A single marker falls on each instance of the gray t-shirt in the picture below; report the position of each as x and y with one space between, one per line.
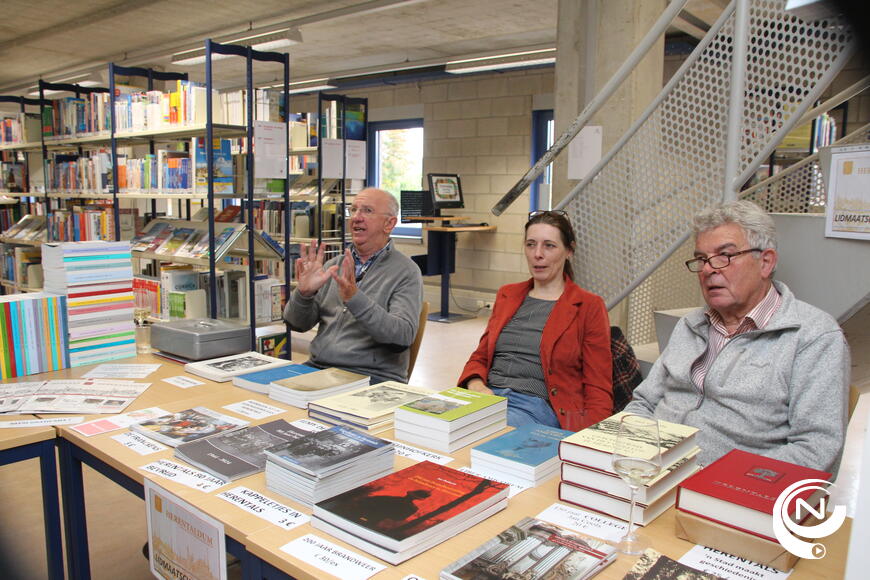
516 362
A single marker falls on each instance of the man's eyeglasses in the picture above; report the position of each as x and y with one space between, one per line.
364 211
718 261
538 212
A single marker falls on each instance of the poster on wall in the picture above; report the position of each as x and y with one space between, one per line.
183 542
848 204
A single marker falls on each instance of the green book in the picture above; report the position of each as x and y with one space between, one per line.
451 409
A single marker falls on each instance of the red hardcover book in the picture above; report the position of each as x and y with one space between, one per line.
409 508
739 490
228 214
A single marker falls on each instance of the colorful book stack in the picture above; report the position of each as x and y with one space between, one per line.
303 388
368 409
407 512
322 464
589 480
33 334
97 279
533 548
528 455
451 419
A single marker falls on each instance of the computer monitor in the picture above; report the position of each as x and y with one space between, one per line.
414 204
446 191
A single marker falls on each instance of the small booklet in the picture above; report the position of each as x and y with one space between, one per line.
174 429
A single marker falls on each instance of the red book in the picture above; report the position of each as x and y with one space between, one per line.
405 512
228 214
739 490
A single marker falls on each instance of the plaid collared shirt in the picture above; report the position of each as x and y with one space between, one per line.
360 267
718 335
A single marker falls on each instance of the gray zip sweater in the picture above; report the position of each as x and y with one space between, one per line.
781 391
370 334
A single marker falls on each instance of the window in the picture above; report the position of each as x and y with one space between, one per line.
396 161
543 135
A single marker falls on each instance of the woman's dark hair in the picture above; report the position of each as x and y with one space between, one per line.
559 220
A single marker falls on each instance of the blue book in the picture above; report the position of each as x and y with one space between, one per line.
259 381
530 452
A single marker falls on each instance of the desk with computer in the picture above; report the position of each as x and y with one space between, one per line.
445 193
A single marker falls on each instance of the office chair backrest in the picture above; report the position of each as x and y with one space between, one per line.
626 372
415 346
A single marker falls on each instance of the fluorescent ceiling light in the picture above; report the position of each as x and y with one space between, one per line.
310 89
271 41
503 61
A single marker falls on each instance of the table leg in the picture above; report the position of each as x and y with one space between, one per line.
51 510
446 242
75 524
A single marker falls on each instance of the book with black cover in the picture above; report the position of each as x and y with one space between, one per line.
322 453
654 566
405 508
239 453
552 551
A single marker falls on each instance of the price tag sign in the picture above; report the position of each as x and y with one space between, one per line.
332 558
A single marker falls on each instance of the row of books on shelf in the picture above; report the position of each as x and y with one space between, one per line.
20 128
9 216
22 266
92 221
33 334
13 177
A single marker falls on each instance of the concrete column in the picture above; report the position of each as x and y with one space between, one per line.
594 37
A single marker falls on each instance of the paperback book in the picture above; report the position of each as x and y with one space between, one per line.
369 408
406 512
322 453
259 380
224 368
449 410
617 507
740 488
653 566
593 446
173 429
301 389
234 454
535 549
529 453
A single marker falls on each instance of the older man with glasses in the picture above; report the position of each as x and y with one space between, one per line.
367 301
757 369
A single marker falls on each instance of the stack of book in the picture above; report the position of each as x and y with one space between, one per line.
33 335
451 419
259 380
533 548
528 455
367 409
407 512
589 480
97 279
223 369
730 505
322 464
239 453
173 429
304 388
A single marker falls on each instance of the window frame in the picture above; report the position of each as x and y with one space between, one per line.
372 154
540 120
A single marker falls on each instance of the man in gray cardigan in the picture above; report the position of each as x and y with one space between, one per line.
757 369
367 302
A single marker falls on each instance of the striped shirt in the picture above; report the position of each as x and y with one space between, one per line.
360 267
718 335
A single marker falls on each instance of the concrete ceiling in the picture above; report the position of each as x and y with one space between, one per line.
55 39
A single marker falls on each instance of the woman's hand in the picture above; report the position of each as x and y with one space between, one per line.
477 385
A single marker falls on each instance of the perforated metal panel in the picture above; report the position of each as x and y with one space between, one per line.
801 187
641 203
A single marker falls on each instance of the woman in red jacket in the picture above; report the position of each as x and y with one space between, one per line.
547 344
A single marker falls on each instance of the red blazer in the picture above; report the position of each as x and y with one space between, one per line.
575 351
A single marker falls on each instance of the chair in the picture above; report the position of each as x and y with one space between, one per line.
415 346
626 372
854 395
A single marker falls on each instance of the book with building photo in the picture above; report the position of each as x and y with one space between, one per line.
652 565
238 453
593 446
406 512
534 548
224 368
180 427
740 488
369 408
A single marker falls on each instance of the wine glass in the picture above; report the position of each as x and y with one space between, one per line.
637 458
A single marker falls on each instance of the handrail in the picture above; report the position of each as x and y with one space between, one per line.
597 102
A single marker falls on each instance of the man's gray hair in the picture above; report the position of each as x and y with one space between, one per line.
392 202
756 223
